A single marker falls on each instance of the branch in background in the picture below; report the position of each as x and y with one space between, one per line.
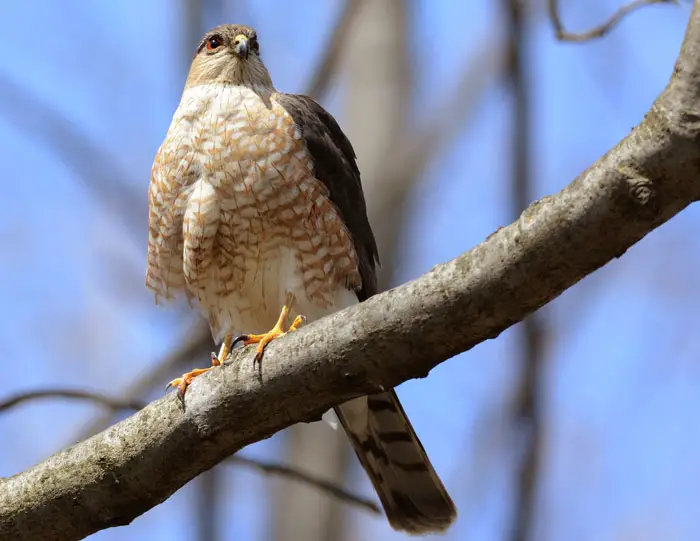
115 476
114 404
332 489
332 52
598 31
92 165
270 468
415 148
417 145
198 344
527 406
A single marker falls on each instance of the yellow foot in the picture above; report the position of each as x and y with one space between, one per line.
262 340
184 381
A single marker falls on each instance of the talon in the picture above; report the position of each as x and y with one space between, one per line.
240 338
174 383
181 394
298 322
184 381
278 330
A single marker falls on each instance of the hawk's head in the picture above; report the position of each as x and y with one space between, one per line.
229 54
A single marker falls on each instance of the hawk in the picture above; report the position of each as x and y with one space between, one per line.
256 204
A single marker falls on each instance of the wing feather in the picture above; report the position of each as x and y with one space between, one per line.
335 165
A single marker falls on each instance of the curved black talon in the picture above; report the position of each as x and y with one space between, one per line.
239 338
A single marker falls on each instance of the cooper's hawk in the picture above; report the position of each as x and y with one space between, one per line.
255 203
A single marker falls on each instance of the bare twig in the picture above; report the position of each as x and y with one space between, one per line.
338 492
600 30
332 52
270 468
114 404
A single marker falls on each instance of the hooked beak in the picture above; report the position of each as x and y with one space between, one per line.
240 46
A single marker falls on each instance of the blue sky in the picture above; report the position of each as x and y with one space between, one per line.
622 376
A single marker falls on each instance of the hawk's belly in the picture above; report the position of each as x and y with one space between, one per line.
257 224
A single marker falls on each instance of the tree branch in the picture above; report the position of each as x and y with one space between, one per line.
269 468
115 476
600 30
114 404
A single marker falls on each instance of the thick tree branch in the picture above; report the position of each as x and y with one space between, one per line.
266 467
115 476
600 30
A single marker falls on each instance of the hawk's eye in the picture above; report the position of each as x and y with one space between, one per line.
213 43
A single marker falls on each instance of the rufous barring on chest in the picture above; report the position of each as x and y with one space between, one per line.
243 167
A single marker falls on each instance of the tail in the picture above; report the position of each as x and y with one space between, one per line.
413 497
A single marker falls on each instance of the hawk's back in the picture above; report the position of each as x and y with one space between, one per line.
237 217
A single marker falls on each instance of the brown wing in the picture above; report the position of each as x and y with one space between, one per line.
411 493
335 165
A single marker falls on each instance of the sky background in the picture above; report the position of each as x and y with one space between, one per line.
621 399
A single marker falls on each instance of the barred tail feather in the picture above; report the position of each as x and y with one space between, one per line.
412 494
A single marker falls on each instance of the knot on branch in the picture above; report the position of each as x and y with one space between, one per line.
642 197
642 191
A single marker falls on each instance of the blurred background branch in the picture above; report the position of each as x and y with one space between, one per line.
531 335
98 171
600 30
332 52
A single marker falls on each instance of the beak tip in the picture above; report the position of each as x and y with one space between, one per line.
241 47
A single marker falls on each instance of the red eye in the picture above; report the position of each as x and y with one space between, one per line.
213 43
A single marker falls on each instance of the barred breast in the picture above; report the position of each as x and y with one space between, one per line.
237 217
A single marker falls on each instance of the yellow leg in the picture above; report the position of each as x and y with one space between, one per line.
225 349
278 330
184 381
